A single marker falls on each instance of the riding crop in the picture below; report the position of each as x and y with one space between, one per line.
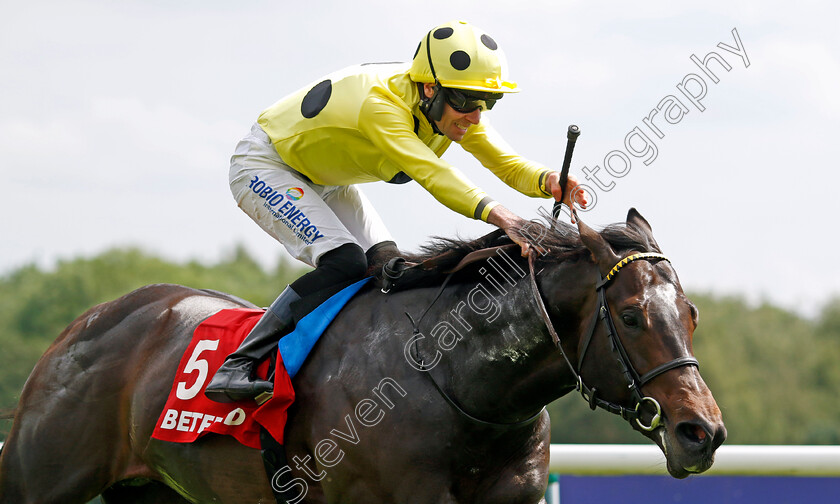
571 137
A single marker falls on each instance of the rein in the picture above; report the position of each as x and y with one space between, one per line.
633 378
422 363
602 313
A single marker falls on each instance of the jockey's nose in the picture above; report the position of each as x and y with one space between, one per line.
474 117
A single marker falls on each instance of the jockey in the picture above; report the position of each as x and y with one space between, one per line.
295 174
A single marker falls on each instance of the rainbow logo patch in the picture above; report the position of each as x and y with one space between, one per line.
295 193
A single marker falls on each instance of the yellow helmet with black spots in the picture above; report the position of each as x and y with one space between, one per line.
461 56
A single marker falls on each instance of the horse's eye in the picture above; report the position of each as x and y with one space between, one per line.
630 320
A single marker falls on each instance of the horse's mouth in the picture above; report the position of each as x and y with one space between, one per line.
684 472
677 466
678 473
695 465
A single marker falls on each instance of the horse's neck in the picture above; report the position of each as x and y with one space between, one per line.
506 364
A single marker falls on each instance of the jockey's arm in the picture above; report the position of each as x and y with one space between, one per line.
509 222
528 177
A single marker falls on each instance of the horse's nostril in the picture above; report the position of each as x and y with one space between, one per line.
720 437
693 433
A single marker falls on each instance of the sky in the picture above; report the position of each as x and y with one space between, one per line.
118 120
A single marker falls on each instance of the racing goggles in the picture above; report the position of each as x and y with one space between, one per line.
467 101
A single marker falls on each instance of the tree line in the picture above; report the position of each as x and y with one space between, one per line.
773 372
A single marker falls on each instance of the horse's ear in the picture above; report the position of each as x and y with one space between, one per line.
603 253
640 224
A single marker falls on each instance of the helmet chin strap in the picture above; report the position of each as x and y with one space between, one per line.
432 107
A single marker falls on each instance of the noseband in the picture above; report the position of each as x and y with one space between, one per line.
634 380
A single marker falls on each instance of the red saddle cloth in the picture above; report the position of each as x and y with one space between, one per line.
188 413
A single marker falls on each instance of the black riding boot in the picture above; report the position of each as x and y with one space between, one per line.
233 381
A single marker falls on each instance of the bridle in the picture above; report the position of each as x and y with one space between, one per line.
635 381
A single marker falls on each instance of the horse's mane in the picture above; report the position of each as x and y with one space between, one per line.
561 239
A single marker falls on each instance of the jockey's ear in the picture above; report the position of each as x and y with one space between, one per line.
603 253
640 224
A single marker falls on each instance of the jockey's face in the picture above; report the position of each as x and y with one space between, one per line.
454 124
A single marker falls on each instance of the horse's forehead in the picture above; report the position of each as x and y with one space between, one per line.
662 297
661 302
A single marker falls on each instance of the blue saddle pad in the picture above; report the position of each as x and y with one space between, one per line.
295 346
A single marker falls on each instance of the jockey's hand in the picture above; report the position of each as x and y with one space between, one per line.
573 191
510 223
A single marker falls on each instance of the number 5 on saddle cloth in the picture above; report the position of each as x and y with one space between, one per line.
188 414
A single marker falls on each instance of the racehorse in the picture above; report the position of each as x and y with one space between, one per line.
431 393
